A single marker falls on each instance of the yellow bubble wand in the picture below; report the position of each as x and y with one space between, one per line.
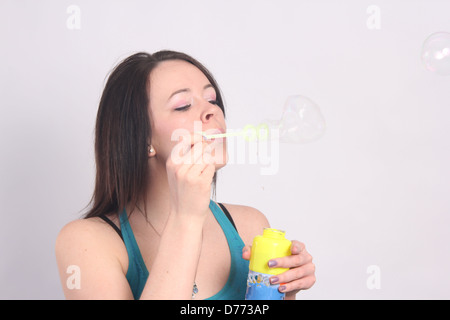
249 132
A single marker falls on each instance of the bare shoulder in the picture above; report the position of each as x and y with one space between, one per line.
81 235
249 221
83 232
90 245
74 233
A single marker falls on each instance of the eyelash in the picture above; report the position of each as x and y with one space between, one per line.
186 107
183 108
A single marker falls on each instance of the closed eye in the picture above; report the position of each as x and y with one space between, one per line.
184 108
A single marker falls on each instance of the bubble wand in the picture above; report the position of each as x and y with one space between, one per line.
250 133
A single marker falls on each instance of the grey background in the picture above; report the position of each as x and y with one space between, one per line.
373 191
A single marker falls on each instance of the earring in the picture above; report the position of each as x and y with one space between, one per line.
150 149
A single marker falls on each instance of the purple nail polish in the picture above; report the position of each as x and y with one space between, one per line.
272 263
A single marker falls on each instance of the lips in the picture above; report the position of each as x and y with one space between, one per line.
214 131
210 132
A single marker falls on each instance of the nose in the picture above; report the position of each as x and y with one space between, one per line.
209 112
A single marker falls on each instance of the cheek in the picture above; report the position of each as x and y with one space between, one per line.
166 135
161 140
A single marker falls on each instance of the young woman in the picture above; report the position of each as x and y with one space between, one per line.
152 231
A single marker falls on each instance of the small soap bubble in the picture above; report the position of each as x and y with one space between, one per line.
436 53
301 121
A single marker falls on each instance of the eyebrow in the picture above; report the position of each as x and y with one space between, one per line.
209 85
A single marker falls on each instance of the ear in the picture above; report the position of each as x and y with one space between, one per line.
151 151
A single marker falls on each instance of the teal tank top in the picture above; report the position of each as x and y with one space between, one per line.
236 284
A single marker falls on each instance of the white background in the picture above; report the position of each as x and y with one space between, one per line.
373 191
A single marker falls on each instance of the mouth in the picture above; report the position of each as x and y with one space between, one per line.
214 134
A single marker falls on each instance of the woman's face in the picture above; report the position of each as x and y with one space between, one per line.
182 101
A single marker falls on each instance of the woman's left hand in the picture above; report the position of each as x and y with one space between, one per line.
301 273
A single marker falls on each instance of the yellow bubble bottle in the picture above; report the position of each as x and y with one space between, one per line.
272 244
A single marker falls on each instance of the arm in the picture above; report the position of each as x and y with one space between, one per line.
91 261
175 265
173 271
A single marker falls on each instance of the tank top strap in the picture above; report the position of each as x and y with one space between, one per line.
137 273
236 284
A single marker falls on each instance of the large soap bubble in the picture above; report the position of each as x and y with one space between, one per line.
301 121
436 53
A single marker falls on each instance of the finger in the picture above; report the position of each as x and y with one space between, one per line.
202 163
196 153
179 166
292 261
299 284
294 274
208 172
246 252
207 156
192 154
297 247
188 141
182 149
200 173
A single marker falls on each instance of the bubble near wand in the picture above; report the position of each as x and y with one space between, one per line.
301 122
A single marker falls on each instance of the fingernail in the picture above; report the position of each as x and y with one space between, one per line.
274 280
282 288
272 263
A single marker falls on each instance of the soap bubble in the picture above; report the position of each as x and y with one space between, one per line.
436 53
301 121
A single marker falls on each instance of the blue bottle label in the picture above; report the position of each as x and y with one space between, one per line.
260 288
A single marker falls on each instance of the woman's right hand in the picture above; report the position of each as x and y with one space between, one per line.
190 170
175 264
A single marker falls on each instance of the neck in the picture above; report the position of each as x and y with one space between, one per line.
157 201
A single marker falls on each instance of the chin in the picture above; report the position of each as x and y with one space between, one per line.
220 158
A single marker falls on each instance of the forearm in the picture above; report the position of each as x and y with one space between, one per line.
174 267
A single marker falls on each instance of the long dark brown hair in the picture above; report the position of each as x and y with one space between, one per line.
123 130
